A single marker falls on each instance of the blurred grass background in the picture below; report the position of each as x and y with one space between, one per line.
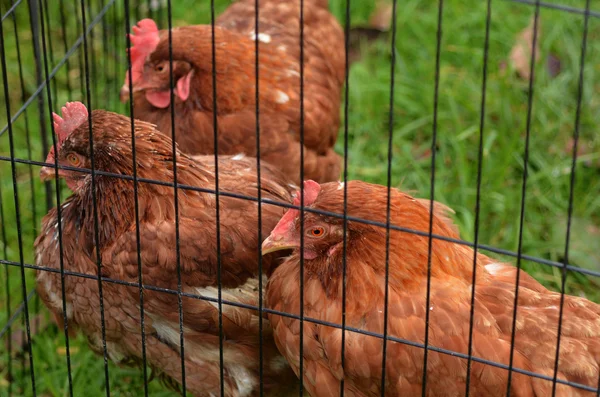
459 111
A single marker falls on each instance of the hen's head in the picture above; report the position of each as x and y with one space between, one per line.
150 71
112 144
323 235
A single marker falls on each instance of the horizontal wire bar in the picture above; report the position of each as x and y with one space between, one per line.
484 247
559 7
11 10
75 46
296 317
19 310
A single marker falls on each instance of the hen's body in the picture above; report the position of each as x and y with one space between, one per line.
449 310
197 242
279 86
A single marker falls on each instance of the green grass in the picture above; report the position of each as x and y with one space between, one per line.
460 85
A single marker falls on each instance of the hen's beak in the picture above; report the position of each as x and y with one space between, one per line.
47 173
276 243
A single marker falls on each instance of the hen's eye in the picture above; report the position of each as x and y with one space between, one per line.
160 68
317 231
73 159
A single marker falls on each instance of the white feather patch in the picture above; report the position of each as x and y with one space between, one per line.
494 268
262 37
281 97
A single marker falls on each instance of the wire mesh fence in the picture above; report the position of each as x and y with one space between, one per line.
403 125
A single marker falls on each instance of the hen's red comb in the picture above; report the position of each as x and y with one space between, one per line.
73 115
143 41
311 191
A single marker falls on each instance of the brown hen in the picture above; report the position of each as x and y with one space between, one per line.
449 307
279 84
198 250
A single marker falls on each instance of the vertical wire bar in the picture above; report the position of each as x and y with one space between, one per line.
94 201
218 218
33 21
8 301
58 212
45 13
564 272
432 187
92 47
301 336
63 22
115 45
345 224
259 197
176 198
136 203
105 58
486 47
389 197
27 132
17 206
80 51
523 192
28 142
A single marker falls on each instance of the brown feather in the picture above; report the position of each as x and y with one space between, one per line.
449 308
198 261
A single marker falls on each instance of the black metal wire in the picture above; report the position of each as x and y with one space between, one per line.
482 247
33 16
54 71
301 335
486 47
258 196
105 59
8 300
345 224
217 205
571 193
523 192
432 187
7 329
389 197
45 15
76 5
11 10
136 203
58 211
27 131
94 201
309 319
176 200
559 7
17 206
63 22
92 54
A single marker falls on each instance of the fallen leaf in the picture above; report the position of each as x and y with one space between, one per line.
553 65
583 148
62 350
381 18
520 55
358 38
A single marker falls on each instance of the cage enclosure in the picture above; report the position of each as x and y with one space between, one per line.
490 108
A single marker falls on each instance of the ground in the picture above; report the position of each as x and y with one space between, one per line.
551 129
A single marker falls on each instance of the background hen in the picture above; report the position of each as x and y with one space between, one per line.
279 84
449 307
197 241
